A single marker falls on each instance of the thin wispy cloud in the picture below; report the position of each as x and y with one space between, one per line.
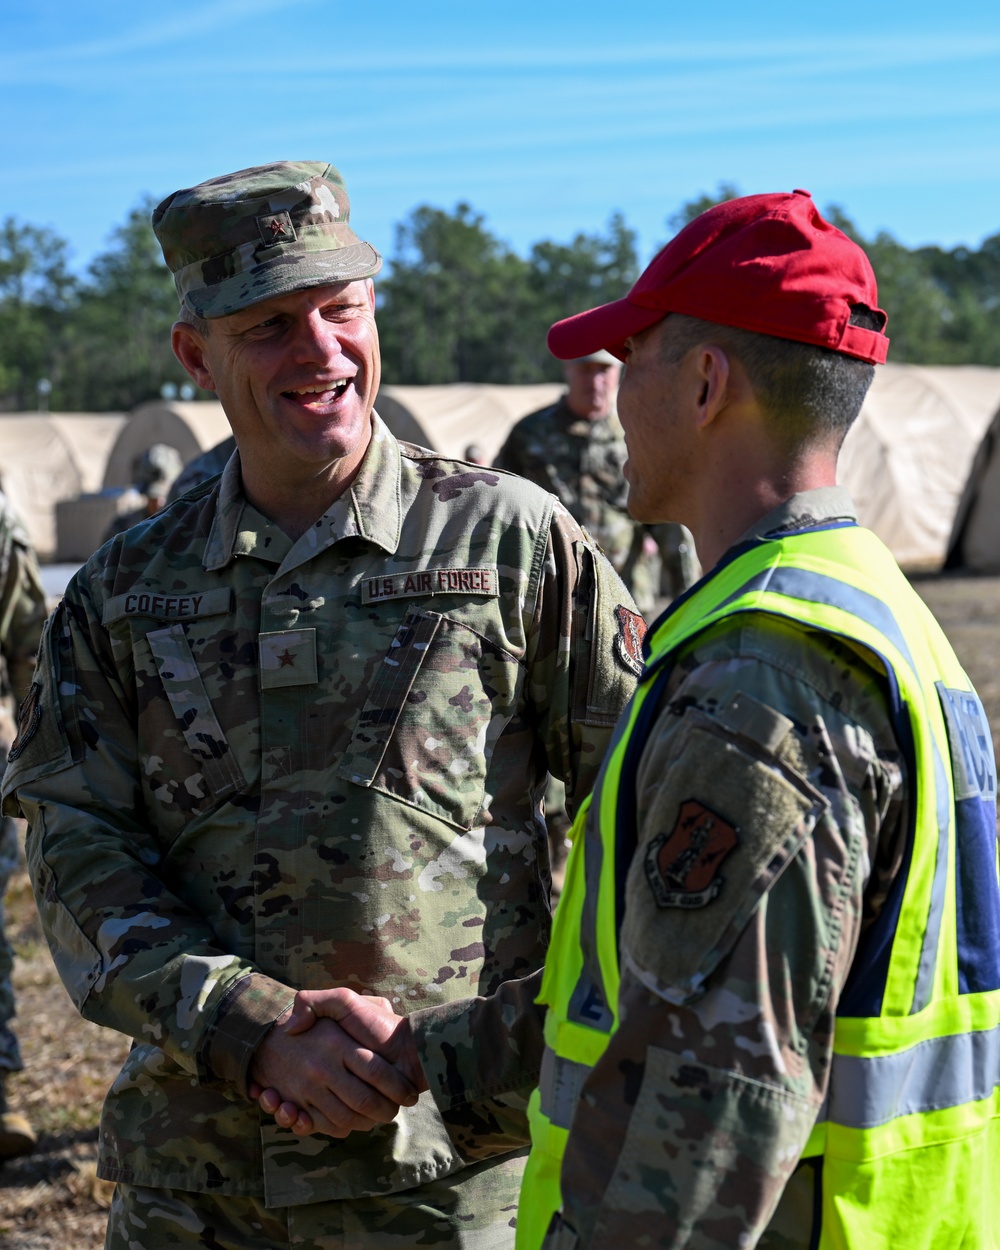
544 117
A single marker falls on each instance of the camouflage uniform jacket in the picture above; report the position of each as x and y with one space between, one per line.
251 765
582 463
22 605
688 1129
22 614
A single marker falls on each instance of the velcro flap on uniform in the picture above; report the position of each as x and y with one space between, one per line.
720 824
188 698
288 658
421 582
161 607
746 717
609 657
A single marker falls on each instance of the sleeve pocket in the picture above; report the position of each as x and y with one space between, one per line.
608 655
694 1128
719 827
77 959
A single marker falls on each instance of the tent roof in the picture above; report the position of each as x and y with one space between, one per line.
906 461
45 457
908 456
191 427
450 418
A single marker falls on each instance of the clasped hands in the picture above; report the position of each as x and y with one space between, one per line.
337 1063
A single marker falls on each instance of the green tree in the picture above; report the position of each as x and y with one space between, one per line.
568 278
941 305
37 294
691 209
459 306
447 306
120 348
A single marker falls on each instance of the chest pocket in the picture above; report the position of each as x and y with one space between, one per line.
440 699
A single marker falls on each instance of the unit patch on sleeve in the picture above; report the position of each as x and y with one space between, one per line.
628 640
682 866
431 582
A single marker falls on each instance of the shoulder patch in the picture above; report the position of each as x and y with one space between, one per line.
29 714
682 866
628 639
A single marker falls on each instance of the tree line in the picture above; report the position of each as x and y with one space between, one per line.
454 304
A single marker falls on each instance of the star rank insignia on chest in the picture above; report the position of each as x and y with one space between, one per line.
682 866
288 658
275 228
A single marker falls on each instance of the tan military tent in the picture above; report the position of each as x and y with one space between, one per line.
48 457
190 427
907 460
451 418
975 534
908 457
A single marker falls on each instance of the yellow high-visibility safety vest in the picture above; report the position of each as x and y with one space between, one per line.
909 1134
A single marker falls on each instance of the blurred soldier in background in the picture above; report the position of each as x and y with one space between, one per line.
153 473
575 448
209 464
22 614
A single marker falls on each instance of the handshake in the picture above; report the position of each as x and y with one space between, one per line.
336 1063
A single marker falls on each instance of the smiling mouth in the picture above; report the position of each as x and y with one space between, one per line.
320 395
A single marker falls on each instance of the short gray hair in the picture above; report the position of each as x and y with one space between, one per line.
193 320
811 394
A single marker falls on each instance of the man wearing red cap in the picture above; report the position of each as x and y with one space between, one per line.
772 1008
772 995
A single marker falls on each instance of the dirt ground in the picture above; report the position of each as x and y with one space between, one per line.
52 1200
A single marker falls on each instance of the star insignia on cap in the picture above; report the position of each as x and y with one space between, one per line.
286 658
276 228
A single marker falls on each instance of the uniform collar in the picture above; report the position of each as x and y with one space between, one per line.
802 511
370 508
583 425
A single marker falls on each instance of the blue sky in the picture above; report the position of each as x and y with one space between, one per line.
545 117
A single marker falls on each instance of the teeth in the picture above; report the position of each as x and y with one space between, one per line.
337 387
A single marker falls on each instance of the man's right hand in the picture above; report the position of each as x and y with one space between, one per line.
329 1082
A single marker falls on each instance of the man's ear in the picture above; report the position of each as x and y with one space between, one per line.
189 348
714 373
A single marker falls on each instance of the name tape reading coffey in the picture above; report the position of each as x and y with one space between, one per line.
168 607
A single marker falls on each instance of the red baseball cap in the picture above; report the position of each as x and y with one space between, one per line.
768 263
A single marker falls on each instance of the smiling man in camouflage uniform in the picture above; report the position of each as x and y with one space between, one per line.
293 733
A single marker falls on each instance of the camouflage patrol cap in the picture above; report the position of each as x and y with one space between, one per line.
245 237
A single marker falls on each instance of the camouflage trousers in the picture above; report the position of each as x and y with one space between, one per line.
10 1055
473 1210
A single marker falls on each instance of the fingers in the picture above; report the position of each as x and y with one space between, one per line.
303 1017
319 1069
370 1020
381 1075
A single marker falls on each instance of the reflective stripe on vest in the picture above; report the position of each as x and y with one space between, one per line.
916 1062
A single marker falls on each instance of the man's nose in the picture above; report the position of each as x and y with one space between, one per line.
316 338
